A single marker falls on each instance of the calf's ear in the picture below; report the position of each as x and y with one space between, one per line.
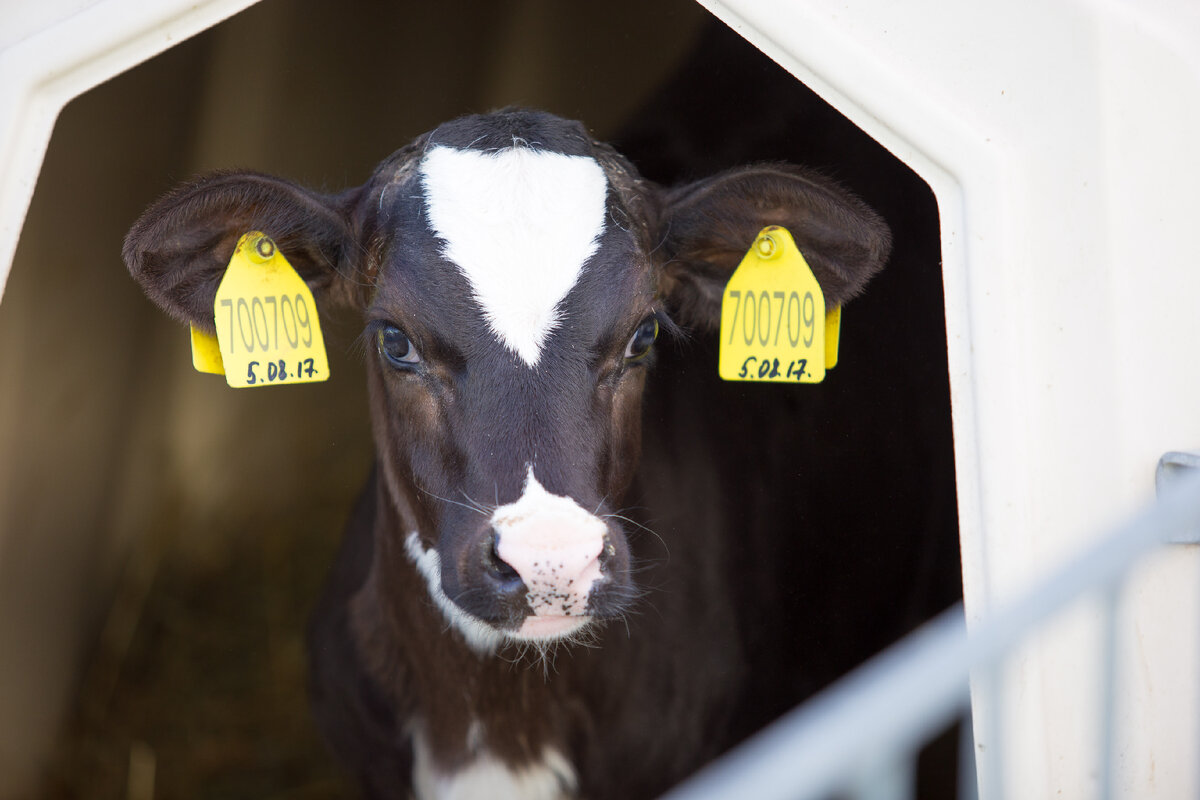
179 248
706 227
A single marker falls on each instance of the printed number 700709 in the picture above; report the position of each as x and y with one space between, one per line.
259 331
756 310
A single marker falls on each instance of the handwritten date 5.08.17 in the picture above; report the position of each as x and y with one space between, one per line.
768 368
277 371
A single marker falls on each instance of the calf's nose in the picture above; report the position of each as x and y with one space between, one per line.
558 565
553 545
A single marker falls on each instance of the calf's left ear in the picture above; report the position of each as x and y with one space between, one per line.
705 228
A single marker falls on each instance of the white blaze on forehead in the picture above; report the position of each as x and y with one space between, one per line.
520 224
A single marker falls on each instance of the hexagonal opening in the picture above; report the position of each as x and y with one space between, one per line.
163 536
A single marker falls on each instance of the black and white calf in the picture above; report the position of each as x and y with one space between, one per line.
513 275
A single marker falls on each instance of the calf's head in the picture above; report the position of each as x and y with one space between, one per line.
513 275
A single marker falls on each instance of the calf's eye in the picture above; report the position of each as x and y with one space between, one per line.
642 339
396 347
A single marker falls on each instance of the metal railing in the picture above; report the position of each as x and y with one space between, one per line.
860 738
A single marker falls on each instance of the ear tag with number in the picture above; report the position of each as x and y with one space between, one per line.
266 319
206 352
773 322
833 335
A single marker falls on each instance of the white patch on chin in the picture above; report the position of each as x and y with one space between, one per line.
480 637
520 224
545 628
485 776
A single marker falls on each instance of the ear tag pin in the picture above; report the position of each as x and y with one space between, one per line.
267 327
774 325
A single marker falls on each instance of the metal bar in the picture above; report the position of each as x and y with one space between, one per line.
968 775
1171 468
991 686
917 686
894 778
1109 649
902 695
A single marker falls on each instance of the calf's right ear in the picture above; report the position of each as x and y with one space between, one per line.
178 250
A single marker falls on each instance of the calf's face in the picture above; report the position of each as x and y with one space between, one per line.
513 276
513 318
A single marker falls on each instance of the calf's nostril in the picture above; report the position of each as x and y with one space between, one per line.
609 552
497 566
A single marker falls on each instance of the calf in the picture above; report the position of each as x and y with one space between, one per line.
496 625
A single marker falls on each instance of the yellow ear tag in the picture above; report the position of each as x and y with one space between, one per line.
833 334
266 319
206 352
773 322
